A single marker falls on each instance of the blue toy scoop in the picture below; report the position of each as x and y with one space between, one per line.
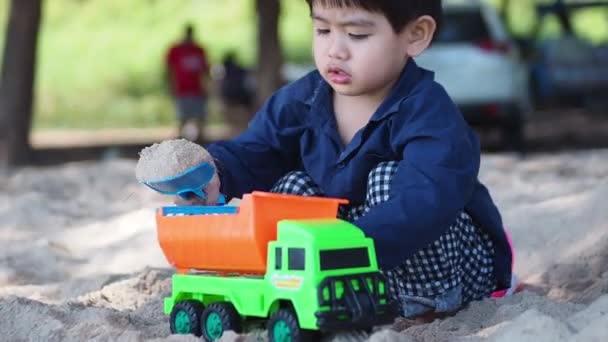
186 184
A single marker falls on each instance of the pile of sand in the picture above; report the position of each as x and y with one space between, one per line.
79 258
169 158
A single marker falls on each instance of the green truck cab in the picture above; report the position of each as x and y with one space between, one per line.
321 276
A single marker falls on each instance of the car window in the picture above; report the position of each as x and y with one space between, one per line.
463 26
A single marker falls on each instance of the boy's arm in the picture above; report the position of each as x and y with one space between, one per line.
432 184
263 153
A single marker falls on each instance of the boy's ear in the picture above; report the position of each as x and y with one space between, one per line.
419 34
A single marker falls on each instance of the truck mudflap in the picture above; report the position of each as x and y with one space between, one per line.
356 301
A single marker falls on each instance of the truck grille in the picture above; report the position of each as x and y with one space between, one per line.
357 300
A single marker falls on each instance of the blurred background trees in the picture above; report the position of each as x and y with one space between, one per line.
270 54
100 62
17 80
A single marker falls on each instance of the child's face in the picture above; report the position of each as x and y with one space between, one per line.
356 51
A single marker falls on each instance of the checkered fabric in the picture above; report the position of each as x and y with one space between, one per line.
459 264
462 257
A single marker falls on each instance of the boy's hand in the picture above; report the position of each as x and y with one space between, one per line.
212 190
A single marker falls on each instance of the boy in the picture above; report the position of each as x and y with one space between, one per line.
371 126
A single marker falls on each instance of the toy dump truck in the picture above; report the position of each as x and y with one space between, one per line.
280 258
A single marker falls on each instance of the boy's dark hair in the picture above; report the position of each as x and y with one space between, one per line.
398 12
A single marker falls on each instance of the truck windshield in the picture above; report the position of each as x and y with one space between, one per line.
333 259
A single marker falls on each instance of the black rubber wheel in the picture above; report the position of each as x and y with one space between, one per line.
185 318
283 327
513 129
218 318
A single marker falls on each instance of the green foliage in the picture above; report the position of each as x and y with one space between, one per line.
590 24
101 62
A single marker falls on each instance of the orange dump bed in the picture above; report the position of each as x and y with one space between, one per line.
235 242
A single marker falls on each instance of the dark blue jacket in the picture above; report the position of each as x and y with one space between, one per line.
417 125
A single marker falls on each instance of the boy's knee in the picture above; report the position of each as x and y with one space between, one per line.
297 175
378 182
382 172
383 168
296 183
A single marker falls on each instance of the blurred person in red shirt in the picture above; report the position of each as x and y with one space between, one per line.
187 67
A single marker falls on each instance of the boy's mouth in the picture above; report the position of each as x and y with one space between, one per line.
338 76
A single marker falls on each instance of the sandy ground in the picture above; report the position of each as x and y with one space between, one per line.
79 258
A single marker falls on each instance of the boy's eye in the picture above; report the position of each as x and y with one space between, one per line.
358 36
322 32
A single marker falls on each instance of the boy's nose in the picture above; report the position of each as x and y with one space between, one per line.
337 50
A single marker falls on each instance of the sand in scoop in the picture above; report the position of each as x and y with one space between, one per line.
169 158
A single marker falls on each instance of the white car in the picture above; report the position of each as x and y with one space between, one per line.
481 69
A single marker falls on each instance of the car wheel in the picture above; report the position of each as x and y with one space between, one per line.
513 130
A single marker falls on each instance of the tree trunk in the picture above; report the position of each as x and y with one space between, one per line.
563 15
504 11
17 81
270 58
